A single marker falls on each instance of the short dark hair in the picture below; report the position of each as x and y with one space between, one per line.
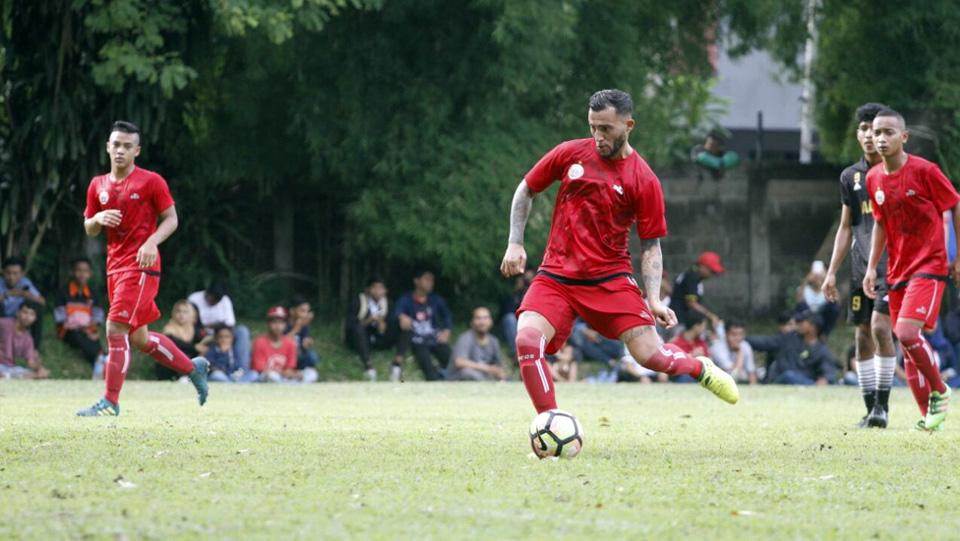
35 306
375 280
80 259
124 126
216 289
297 300
736 325
420 273
693 319
784 317
887 111
618 99
218 328
15 260
868 111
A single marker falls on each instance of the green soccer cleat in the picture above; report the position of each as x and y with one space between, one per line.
718 382
103 408
937 408
199 378
922 426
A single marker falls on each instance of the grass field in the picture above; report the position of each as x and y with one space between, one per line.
451 461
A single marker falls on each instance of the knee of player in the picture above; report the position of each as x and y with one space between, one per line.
643 347
907 332
881 331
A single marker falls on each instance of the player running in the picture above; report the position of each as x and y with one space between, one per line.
909 196
606 187
127 202
876 356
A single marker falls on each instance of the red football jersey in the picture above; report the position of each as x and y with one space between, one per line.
267 356
598 201
140 198
909 205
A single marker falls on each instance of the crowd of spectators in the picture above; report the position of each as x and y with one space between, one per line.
419 330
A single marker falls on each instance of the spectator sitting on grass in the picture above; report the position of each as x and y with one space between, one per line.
732 353
425 322
15 289
275 354
79 316
476 355
509 305
799 357
366 324
692 341
298 328
215 308
16 344
185 332
810 297
224 367
563 364
595 346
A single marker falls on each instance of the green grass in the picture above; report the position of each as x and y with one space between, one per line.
450 461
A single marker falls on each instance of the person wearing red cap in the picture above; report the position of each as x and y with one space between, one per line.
275 354
688 287
606 189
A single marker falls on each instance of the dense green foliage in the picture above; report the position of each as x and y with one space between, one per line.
312 144
329 141
450 461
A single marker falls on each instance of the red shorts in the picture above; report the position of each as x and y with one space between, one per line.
131 295
610 308
920 300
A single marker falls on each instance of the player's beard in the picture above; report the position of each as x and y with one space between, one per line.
616 146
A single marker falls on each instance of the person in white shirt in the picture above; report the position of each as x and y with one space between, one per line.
216 309
732 353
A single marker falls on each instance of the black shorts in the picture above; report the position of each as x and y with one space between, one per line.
862 306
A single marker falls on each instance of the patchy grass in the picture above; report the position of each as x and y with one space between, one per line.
451 461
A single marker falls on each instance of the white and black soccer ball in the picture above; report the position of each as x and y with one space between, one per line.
556 434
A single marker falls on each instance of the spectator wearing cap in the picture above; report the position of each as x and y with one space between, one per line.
799 356
688 287
275 353
215 309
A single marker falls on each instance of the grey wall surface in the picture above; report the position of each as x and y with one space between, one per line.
767 232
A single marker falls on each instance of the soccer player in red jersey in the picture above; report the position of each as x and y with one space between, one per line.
606 187
909 196
127 202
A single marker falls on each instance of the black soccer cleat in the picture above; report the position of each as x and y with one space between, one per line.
877 417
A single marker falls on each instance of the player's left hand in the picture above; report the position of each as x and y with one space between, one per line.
147 255
664 314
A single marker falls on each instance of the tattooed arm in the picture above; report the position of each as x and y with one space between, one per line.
515 259
651 272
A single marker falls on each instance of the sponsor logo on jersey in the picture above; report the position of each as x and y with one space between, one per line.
879 196
575 171
911 193
856 181
922 310
124 313
135 196
618 188
104 196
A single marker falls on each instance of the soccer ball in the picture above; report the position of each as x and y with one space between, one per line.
556 434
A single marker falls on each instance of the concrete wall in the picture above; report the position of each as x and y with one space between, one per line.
766 225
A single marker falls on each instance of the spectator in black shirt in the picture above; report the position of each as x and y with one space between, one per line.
425 323
799 357
688 287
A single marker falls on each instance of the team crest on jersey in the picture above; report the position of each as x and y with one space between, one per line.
575 171
879 197
618 188
104 197
135 196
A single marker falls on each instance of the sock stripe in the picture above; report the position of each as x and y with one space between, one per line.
886 366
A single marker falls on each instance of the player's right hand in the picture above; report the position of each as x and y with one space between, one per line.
870 283
108 218
829 287
514 261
